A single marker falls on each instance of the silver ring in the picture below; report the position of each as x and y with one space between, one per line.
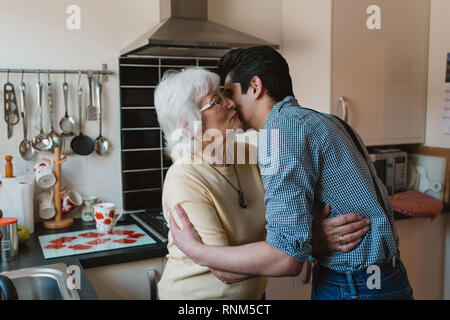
342 242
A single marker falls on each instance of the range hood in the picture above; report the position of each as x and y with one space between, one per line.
188 32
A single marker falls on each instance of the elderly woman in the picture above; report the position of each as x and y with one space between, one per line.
224 200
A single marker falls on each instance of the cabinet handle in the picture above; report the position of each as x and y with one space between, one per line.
152 283
308 272
344 105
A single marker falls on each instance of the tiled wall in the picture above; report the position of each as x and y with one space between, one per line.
144 162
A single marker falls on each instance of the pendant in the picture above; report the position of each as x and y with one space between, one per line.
242 201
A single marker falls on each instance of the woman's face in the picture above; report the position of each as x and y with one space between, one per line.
222 115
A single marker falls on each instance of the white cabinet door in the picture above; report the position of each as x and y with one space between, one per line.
303 283
124 281
291 288
280 288
382 73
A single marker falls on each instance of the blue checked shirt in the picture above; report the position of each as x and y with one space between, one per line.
307 159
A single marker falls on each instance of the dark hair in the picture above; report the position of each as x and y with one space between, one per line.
264 62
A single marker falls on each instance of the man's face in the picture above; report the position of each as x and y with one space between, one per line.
244 103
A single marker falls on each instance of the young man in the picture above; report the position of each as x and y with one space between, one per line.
319 160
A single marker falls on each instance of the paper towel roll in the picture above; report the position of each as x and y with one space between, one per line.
17 200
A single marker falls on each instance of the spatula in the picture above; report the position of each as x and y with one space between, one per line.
91 109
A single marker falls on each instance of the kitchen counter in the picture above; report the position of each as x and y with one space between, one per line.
401 216
30 253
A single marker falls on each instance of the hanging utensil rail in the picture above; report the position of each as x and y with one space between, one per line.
104 72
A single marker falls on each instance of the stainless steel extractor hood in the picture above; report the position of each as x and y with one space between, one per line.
188 32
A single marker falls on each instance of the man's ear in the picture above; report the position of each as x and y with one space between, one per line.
256 87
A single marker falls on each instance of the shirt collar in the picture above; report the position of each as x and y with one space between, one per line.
289 100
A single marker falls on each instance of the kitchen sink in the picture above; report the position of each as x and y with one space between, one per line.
47 282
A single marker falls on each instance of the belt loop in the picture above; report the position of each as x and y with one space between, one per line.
351 285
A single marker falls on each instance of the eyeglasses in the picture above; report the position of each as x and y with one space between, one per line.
217 99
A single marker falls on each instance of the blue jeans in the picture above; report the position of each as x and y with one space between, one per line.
353 285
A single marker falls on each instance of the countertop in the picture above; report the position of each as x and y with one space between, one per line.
401 216
30 253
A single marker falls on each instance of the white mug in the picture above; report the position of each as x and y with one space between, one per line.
105 217
44 175
70 201
46 205
87 210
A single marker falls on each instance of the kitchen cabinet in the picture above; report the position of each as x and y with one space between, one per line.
290 288
125 281
423 252
380 73
280 288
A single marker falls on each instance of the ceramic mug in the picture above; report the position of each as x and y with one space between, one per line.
70 201
44 175
46 205
105 217
87 210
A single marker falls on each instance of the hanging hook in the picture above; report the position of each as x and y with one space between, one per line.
65 76
39 76
48 75
7 76
79 77
23 72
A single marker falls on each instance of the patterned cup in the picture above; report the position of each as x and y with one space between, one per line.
70 201
44 175
105 217
87 210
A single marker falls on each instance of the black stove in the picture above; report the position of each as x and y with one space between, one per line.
155 220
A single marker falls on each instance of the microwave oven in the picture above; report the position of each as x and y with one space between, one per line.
392 169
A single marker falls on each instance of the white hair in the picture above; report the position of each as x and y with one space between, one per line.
177 100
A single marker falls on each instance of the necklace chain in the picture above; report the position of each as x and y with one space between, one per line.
242 201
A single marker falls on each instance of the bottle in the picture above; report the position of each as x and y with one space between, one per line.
9 167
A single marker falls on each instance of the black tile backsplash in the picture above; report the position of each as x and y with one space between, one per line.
137 97
133 160
141 139
141 180
178 62
140 61
145 118
143 171
135 76
142 200
167 162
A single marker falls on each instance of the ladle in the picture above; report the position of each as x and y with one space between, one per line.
67 123
101 144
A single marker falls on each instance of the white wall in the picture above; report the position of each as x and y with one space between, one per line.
437 62
34 35
260 18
